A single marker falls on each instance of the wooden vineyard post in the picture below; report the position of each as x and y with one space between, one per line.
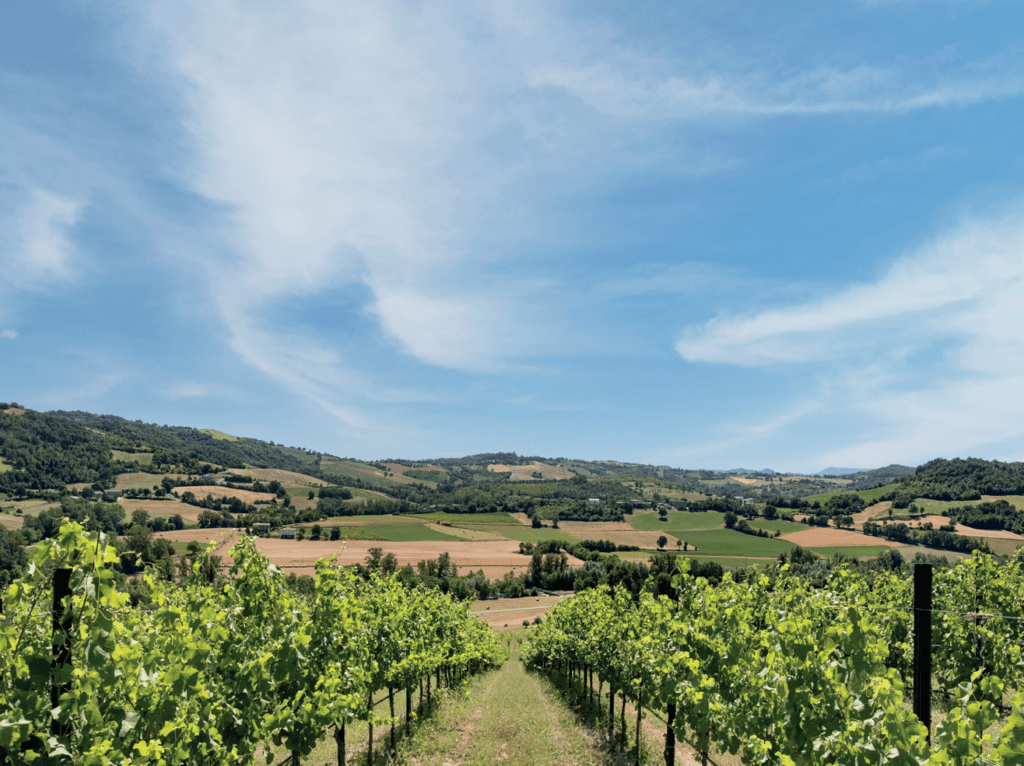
639 708
923 645
339 738
391 706
61 641
369 723
611 714
670 736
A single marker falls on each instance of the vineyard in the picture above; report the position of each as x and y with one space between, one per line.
201 674
778 672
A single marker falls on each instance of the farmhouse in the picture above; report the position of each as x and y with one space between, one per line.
288 533
594 501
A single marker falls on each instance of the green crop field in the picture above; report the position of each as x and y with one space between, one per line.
407 533
778 525
347 533
869 496
469 519
729 562
728 542
681 521
854 551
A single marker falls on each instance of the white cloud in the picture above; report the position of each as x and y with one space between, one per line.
930 355
9 334
37 250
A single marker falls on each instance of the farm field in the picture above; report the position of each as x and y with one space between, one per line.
525 472
5 466
728 562
347 532
407 532
619 533
728 542
494 558
276 474
218 492
501 612
827 537
855 551
676 520
142 458
776 525
142 480
162 508
474 519
10 521
529 535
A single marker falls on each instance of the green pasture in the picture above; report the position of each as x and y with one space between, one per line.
347 533
469 519
5 466
777 525
730 562
854 551
676 521
407 533
142 458
728 542
869 496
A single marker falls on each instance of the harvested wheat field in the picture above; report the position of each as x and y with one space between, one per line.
245 495
618 532
494 558
142 480
824 537
277 474
10 521
162 508
938 521
525 472
199 535
869 513
509 613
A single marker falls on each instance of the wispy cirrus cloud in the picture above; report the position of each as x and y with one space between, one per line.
931 353
37 250
9 334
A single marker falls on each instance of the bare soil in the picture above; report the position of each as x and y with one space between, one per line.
824 537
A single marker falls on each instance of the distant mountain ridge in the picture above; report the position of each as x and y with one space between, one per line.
840 471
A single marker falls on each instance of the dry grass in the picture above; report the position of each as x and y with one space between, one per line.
276 474
10 521
162 508
525 472
245 495
494 558
141 480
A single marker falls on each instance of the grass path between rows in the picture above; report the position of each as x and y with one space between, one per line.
506 716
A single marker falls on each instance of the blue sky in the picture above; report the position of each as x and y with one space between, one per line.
784 235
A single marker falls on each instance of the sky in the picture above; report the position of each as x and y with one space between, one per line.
705 235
